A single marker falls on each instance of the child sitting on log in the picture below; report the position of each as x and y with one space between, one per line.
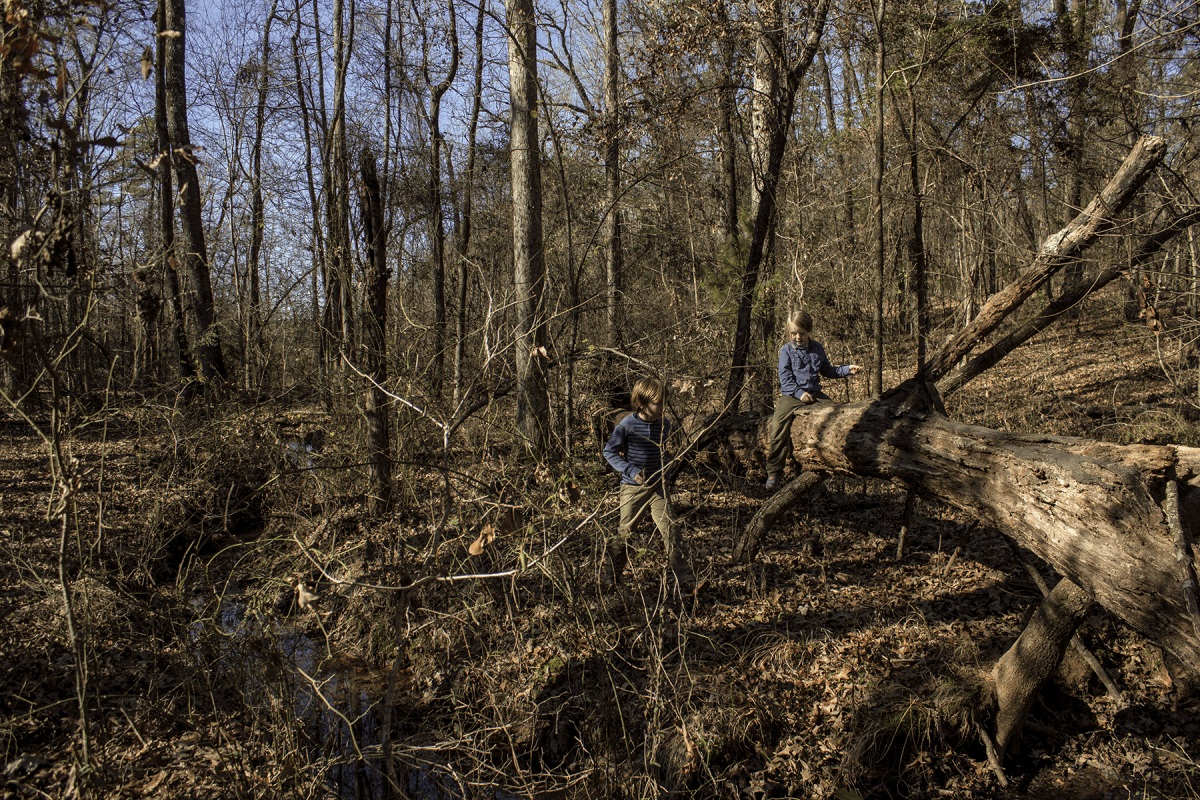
802 362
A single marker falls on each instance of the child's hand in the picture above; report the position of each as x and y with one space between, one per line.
854 368
806 398
641 478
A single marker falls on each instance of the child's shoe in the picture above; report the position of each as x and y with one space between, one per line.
614 567
770 484
684 577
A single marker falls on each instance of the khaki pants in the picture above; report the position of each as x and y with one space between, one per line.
634 502
781 429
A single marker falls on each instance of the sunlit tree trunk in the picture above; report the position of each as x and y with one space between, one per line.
533 401
764 101
177 343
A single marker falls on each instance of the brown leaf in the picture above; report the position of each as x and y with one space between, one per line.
486 537
147 62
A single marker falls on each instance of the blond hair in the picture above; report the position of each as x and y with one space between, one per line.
647 391
799 318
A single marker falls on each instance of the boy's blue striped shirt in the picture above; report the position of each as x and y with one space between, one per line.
637 445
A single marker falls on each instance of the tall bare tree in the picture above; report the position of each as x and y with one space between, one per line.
613 267
463 229
438 222
1071 18
257 215
190 249
181 354
878 10
374 322
529 258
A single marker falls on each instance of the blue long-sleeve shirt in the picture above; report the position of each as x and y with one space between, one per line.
637 445
801 368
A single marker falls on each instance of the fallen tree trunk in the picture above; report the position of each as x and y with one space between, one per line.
1090 509
1064 247
1070 298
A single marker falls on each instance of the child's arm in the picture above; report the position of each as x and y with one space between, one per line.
613 451
830 371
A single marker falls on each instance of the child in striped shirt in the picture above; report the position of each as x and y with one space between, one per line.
636 451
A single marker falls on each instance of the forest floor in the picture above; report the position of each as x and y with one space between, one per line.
828 668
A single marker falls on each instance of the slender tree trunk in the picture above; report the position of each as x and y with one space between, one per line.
181 354
916 241
877 289
726 100
376 406
831 116
317 241
1125 70
612 174
341 318
464 230
191 252
765 112
438 232
533 401
1072 25
257 213
13 129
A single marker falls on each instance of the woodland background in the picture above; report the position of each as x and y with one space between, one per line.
314 313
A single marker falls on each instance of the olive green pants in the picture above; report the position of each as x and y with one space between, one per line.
634 502
781 428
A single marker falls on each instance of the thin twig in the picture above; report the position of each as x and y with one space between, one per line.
993 759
